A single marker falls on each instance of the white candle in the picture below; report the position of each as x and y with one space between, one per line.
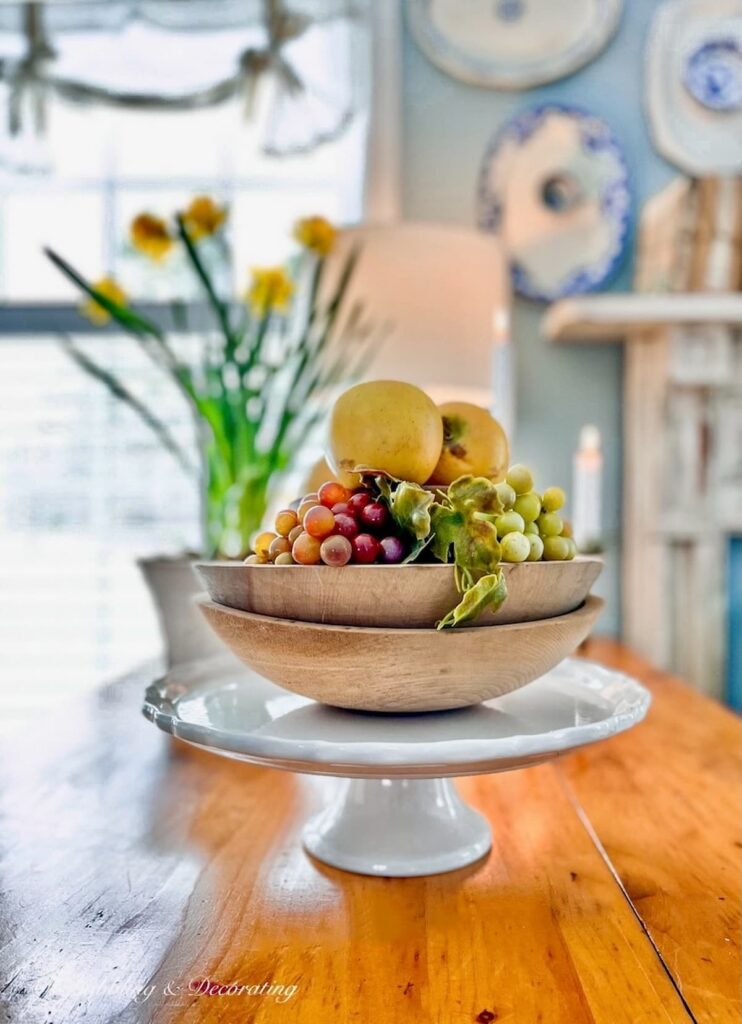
588 490
503 405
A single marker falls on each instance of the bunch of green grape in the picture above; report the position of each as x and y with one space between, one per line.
531 528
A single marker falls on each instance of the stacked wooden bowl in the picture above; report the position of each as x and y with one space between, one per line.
364 636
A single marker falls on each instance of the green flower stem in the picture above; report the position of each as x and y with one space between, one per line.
220 308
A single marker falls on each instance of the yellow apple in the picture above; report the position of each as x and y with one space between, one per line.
474 444
385 425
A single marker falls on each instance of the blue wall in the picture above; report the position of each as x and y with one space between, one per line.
447 125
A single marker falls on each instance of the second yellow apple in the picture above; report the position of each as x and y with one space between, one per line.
474 443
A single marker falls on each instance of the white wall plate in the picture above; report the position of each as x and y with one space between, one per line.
512 44
694 85
554 185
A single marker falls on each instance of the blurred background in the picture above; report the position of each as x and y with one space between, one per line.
536 210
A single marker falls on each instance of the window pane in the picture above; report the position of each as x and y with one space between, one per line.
85 489
198 143
71 222
262 222
80 140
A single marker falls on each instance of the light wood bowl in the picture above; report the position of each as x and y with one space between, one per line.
395 670
397 596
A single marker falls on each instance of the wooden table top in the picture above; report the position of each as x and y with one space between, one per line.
133 868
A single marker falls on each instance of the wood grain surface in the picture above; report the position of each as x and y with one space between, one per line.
682 869
410 596
133 868
408 669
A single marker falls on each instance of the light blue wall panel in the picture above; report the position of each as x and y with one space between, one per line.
446 128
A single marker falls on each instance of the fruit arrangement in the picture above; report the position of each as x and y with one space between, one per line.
417 482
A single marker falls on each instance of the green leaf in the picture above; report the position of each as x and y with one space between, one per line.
464 520
346 275
476 547
147 334
477 494
446 526
123 315
464 531
409 505
488 592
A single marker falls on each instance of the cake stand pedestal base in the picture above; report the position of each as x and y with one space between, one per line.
398 828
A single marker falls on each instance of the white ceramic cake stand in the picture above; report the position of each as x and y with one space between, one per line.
397 813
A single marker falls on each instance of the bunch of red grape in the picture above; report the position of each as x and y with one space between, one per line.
334 526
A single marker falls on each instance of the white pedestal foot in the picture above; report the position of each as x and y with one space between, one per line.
398 828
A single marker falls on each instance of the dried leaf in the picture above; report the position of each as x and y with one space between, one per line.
488 592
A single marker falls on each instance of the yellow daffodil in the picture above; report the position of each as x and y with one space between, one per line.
150 235
316 234
95 312
270 290
203 217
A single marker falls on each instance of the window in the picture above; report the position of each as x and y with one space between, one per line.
84 487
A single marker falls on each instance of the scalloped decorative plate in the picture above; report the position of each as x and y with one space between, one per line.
554 185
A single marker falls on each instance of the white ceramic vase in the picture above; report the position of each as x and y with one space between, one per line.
173 586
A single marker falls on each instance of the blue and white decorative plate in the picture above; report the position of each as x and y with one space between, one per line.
554 185
694 85
713 74
512 44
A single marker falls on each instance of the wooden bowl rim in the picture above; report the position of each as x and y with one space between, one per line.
592 605
417 566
